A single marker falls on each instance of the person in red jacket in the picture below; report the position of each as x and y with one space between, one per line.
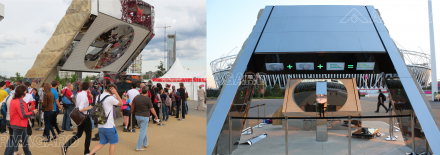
18 110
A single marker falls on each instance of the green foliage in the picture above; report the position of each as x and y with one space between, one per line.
57 78
73 78
276 91
17 77
145 76
161 70
268 91
87 79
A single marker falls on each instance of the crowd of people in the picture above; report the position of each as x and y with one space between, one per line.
23 104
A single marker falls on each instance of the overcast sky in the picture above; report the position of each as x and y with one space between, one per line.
230 22
28 25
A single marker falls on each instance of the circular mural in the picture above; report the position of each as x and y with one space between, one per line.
306 98
109 46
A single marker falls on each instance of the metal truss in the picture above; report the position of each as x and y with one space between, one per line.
417 62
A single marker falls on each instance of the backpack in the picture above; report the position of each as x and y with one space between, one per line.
98 112
168 101
4 109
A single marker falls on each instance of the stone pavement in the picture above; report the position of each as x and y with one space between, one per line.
176 137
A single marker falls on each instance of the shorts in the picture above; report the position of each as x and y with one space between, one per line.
108 135
126 113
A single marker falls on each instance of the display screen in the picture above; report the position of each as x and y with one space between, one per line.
365 66
305 66
338 66
274 66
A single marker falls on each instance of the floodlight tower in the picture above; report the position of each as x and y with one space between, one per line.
164 42
434 87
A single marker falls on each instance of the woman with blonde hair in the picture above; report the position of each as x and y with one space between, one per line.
34 85
125 109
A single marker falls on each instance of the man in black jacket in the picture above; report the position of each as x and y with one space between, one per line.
181 102
381 98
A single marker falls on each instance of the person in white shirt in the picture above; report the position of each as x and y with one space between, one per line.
133 92
82 103
107 132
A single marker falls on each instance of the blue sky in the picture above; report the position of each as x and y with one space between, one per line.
230 22
28 24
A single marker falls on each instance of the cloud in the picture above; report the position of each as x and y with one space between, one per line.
48 28
8 55
11 39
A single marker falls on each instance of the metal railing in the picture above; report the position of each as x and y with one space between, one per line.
349 117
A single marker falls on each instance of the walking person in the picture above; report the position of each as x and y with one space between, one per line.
82 103
142 107
19 115
68 104
381 98
57 107
48 100
201 95
107 132
181 102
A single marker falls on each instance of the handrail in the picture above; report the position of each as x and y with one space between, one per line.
384 116
257 105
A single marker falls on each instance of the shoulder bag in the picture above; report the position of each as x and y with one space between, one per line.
78 117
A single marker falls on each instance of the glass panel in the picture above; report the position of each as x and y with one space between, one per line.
306 98
109 46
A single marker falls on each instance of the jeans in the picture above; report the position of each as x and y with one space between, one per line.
53 122
380 104
11 132
47 125
143 122
165 113
66 118
85 127
186 105
91 120
14 142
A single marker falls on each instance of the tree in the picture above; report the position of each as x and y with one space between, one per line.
17 77
87 79
161 70
276 90
73 78
268 91
145 76
57 78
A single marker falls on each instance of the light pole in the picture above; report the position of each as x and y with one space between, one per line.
164 42
434 87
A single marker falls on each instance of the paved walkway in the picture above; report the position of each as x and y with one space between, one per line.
176 137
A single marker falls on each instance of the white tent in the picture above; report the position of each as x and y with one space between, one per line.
191 79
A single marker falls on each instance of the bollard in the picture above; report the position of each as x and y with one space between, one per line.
287 134
413 146
349 134
230 135
391 138
258 113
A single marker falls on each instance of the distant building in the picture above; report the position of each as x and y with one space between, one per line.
171 53
136 66
64 74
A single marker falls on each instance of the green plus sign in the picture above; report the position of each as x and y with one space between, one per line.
320 66
289 66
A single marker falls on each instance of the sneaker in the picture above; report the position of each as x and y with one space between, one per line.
140 149
146 145
376 111
95 139
125 130
63 150
89 154
61 132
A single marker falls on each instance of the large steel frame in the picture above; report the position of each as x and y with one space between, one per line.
258 44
